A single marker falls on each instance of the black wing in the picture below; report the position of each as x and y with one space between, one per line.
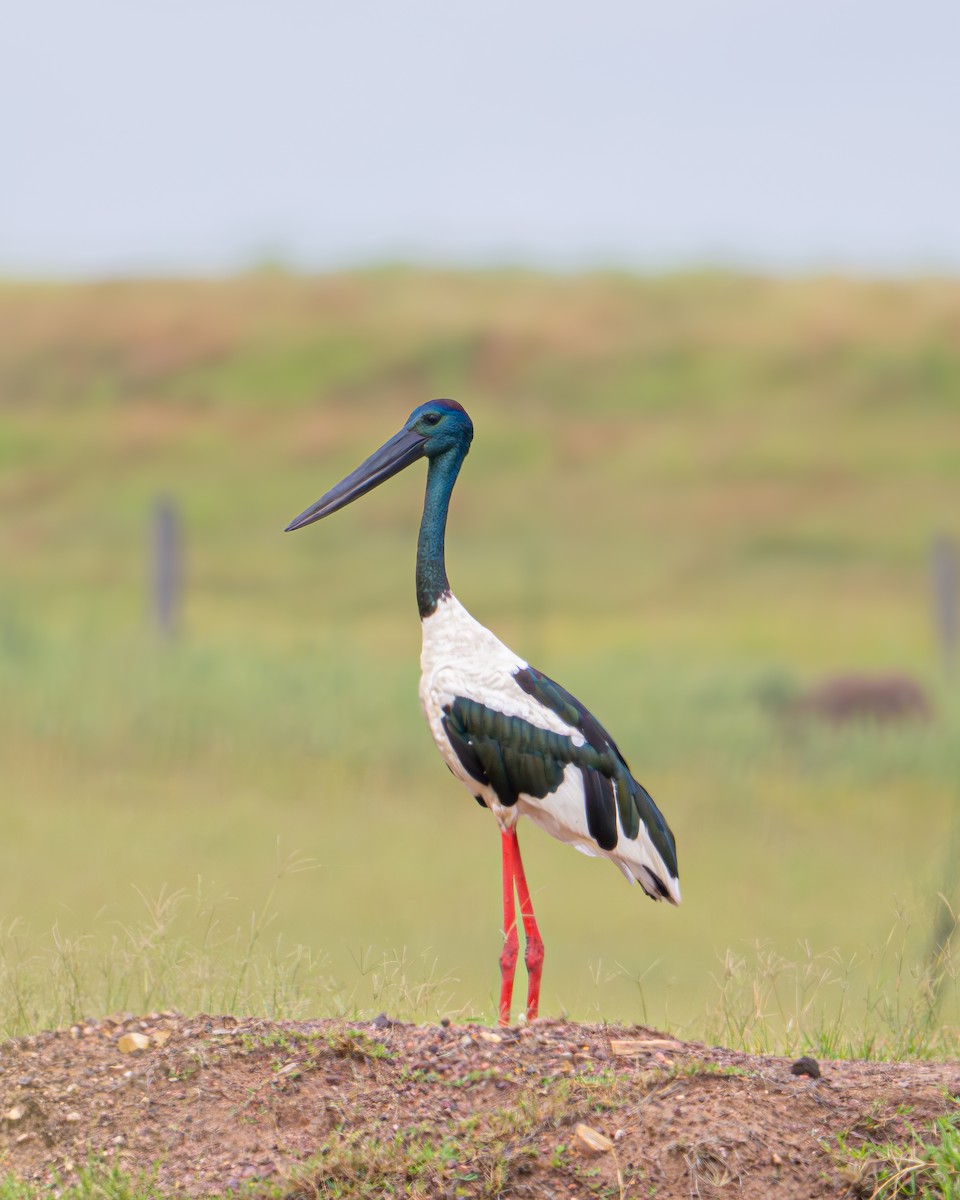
514 756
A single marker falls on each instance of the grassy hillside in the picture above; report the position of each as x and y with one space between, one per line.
684 494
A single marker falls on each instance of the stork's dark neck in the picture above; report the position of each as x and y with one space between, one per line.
432 582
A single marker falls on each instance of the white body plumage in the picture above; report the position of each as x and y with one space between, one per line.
461 658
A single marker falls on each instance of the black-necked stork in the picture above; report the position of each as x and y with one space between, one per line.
521 743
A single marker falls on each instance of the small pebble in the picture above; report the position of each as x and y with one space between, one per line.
806 1066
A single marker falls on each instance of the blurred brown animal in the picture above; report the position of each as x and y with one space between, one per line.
843 698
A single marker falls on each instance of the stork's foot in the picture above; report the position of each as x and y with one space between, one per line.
533 957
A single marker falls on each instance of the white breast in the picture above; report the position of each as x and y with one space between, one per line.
461 657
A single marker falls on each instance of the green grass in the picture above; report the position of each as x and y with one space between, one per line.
681 491
92 1182
927 1165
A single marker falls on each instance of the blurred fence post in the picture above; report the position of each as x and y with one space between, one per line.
945 583
165 573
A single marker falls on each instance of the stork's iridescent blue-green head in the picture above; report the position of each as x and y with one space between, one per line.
439 431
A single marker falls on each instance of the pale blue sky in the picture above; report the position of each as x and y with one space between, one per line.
204 135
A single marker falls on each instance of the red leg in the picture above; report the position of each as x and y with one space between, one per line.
533 955
508 956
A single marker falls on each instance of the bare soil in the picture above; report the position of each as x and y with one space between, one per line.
209 1105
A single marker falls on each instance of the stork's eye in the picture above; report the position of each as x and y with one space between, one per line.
431 418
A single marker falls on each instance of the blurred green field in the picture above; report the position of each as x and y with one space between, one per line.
682 493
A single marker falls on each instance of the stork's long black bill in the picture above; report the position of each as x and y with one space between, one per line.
403 448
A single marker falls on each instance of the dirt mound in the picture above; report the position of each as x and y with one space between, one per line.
207 1104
